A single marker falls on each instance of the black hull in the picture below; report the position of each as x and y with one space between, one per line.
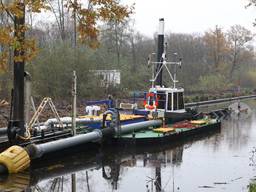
185 135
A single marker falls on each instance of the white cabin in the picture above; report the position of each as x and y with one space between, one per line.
169 99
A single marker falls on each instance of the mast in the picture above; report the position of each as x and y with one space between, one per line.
160 51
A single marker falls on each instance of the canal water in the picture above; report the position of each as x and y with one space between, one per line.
220 161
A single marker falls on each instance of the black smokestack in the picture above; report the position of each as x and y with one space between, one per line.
160 51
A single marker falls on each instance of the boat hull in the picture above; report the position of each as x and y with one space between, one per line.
169 138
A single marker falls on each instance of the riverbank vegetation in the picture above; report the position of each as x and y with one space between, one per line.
217 63
213 64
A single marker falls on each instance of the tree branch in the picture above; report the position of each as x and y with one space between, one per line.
8 13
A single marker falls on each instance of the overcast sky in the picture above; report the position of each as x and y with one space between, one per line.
191 16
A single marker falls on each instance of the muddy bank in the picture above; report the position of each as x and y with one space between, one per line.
63 108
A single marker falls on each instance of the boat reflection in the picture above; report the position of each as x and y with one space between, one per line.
74 173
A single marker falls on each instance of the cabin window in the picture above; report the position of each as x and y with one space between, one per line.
169 101
180 100
161 99
175 101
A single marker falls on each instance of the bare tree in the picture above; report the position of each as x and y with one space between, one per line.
238 37
114 35
217 46
59 13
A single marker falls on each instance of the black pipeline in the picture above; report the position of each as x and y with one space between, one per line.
37 151
217 101
16 158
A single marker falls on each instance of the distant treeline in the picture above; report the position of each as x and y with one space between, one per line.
213 62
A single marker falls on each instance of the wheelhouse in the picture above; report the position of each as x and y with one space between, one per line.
169 99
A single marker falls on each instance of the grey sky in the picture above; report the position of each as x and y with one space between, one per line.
191 16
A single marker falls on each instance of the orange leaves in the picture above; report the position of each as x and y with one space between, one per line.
15 9
96 10
5 37
88 32
31 49
115 12
5 41
28 47
88 18
13 37
37 6
112 10
3 61
105 10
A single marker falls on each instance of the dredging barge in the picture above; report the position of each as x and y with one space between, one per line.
16 158
163 105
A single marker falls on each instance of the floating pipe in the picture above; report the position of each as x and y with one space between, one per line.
217 101
138 126
16 159
37 151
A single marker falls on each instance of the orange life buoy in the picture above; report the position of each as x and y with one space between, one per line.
152 106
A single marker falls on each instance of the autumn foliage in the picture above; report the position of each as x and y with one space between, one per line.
87 13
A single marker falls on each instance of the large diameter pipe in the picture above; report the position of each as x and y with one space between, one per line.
37 151
139 126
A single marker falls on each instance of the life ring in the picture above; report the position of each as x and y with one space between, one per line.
152 106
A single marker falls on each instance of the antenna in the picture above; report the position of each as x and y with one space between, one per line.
161 61
164 64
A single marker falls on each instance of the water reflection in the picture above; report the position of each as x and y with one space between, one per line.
82 172
214 162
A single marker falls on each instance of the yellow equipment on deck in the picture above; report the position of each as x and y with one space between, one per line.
164 130
198 122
